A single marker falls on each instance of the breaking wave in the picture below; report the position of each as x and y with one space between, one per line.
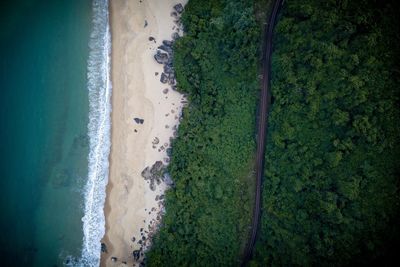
99 129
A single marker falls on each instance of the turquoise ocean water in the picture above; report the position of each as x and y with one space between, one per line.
45 139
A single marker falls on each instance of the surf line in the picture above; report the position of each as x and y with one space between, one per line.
99 132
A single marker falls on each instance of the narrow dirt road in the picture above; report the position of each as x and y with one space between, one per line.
262 125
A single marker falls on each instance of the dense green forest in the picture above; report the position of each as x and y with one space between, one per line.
209 211
331 188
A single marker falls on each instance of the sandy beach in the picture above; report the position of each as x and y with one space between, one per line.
145 113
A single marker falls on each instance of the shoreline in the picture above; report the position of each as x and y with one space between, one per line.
144 117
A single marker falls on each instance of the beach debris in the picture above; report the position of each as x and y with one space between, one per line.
139 120
145 24
114 259
103 248
152 39
178 8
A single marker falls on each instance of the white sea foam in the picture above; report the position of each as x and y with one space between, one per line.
99 86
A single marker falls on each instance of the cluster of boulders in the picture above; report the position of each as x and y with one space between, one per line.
157 174
144 241
164 54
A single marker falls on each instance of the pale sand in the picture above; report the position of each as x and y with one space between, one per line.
137 92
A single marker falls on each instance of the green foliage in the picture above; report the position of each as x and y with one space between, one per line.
209 210
331 190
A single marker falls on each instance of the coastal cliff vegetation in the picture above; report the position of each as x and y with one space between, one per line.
209 210
331 187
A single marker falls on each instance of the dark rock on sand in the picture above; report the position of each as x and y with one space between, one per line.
168 69
156 140
169 152
103 248
136 255
167 43
161 57
164 78
175 36
178 8
152 39
167 49
168 180
154 174
114 259
139 120
172 82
